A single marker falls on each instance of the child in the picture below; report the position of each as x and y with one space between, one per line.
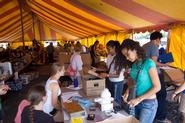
34 113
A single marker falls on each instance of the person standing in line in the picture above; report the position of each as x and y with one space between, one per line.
77 64
147 84
94 54
116 64
50 51
152 51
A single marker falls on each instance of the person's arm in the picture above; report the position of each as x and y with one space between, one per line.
99 69
54 87
109 75
155 88
178 90
125 95
130 84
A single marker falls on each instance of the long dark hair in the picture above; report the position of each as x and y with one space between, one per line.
130 44
35 96
120 60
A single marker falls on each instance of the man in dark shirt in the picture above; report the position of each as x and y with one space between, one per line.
152 51
50 51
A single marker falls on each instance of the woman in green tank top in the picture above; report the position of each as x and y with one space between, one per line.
144 74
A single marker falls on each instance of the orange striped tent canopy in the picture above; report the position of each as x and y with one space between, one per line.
75 19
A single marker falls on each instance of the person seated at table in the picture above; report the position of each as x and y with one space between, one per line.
146 79
34 112
53 104
116 64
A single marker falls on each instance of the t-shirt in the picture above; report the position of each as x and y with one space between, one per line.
76 63
151 49
110 58
144 82
38 116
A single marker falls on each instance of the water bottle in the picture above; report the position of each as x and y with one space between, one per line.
75 83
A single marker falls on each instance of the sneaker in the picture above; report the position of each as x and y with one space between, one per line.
162 121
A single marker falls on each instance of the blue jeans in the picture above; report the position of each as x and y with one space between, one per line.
146 110
116 90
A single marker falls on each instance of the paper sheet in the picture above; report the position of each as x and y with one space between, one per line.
67 95
77 88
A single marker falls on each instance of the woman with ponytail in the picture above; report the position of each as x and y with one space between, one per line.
116 64
34 113
53 104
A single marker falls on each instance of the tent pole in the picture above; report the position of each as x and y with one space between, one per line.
33 18
132 34
22 24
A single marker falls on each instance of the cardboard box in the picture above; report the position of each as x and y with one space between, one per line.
123 119
86 59
64 58
93 87
173 76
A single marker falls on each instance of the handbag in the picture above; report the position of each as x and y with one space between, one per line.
70 71
132 92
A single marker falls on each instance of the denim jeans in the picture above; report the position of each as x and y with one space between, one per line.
116 90
161 98
146 110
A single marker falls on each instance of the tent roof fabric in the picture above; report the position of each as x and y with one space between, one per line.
73 19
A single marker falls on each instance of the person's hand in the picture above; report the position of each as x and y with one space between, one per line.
173 96
167 64
103 75
134 102
4 89
93 69
125 96
62 72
